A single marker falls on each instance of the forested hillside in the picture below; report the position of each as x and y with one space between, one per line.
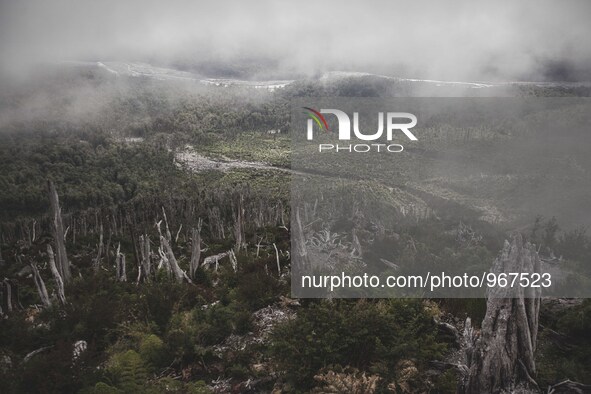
127 269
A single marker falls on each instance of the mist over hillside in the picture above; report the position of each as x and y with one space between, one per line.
455 41
156 210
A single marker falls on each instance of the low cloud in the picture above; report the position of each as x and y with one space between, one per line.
453 40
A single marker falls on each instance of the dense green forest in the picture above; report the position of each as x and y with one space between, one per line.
230 325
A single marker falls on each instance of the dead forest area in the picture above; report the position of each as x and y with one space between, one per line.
122 272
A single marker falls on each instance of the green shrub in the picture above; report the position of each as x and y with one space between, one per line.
101 388
128 371
369 335
152 351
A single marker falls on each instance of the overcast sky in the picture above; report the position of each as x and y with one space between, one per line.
453 40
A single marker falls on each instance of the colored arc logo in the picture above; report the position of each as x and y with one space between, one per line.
318 118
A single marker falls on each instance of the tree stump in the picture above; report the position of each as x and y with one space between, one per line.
501 359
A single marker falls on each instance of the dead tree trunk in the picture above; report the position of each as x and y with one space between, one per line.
146 266
179 274
168 235
167 253
233 260
63 264
277 257
10 297
99 254
40 285
195 249
134 242
117 261
178 233
502 358
121 274
300 242
107 250
164 263
239 225
259 246
59 283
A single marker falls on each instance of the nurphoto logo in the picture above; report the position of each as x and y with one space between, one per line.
392 124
